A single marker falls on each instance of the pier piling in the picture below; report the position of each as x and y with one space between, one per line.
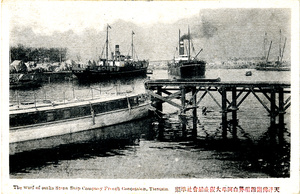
224 113
195 118
234 113
179 89
183 111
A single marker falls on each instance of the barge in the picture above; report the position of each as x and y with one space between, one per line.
45 126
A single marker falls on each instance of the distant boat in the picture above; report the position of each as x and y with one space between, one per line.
118 66
184 65
248 73
149 71
277 65
23 81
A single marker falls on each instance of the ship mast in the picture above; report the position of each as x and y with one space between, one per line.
108 26
132 44
269 52
283 50
179 43
265 45
189 55
279 45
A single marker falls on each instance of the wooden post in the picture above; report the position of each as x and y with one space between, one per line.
234 113
184 132
194 132
281 116
224 114
18 99
273 116
159 109
34 99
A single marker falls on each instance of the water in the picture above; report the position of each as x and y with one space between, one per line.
144 157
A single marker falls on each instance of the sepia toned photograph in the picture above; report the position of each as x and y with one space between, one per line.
150 96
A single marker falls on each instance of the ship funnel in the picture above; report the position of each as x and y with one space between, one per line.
181 47
117 50
117 53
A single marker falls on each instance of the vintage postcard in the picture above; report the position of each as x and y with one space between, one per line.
150 96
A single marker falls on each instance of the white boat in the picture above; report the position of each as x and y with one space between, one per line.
49 125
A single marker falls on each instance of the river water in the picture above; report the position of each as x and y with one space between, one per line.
143 156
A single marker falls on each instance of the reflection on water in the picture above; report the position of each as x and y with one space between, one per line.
86 144
142 156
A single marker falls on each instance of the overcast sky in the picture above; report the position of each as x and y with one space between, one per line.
80 26
77 16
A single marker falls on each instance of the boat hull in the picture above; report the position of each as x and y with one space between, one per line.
73 130
189 70
273 68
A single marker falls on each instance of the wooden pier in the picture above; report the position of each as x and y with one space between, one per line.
277 95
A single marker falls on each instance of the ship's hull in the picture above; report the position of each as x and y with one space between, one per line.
188 70
273 68
24 85
23 81
66 124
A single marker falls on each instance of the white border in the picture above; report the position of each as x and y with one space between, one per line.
287 185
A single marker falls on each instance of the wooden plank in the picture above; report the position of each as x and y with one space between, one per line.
214 99
269 111
228 84
164 99
243 99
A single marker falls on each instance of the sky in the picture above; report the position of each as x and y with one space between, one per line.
222 31
63 16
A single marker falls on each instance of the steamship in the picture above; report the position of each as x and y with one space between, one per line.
184 65
117 66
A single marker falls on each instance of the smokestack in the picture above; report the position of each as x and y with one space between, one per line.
117 51
181 47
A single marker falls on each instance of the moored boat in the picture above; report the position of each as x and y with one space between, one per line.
279 64
184 65
248 73
23 81
116 66
50 125
149 71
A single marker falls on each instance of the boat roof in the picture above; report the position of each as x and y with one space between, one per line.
49 107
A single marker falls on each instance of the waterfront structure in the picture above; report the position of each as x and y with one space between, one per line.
165 91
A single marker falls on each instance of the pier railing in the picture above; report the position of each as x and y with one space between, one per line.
25 99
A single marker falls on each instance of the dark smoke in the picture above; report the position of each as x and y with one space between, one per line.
185 37
205 29
208 30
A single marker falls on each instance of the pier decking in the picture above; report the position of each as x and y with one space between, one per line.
277 95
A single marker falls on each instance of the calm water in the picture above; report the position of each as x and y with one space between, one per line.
143 156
